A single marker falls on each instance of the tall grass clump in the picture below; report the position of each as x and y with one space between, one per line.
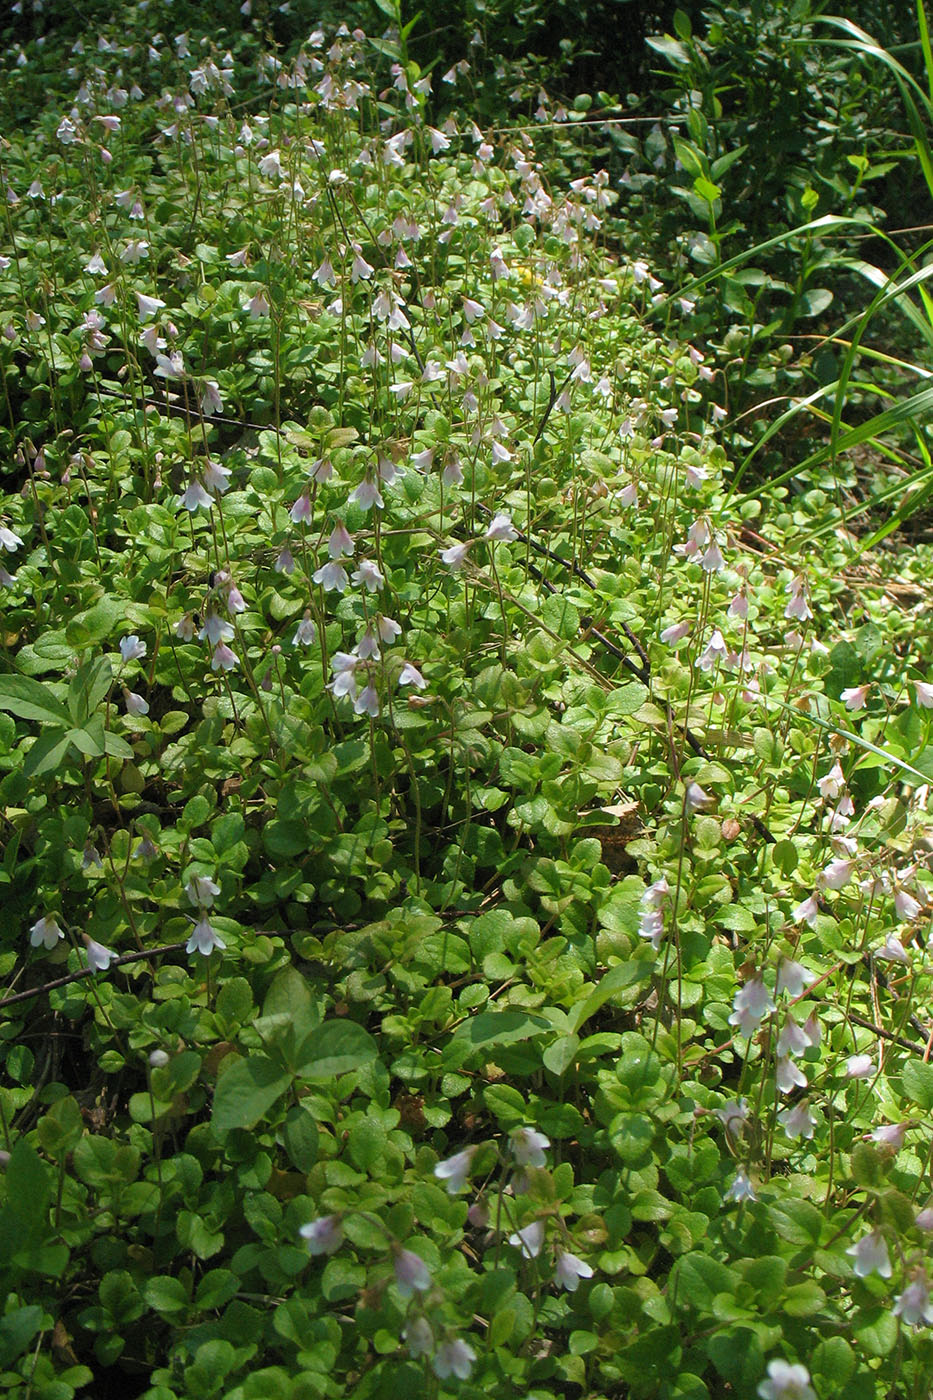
819 317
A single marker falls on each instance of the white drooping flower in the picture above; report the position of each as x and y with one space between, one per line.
891 1135
794 1039
148 306
893 950
833 782
793 978
786 1382
871 1255
305 633
860 1067
855 697
131 648
369 575
733 1115
797 1122
696 797
204 939
836 875
914 1306
789 1076
905 906
530 1239
500 528
455 1170
651 920
752 1004
453 1358
410 675
323 1235
418 1337
45 933
807 911
713 653
672 636
741 1188
797 606
528 1147
411 1273
454 555
569 1270
202 891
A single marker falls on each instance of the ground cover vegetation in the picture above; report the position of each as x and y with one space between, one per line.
465 708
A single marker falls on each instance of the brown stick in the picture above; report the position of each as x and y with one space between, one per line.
89 972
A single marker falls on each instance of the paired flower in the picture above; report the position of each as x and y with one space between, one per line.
651 920
202 891
752 1004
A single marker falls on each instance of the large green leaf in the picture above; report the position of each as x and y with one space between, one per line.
699 1278
24 1219
492 1028
97 623
115 746
246 1091
335 1048
89 739
289 1015
17 1330
49 750
88 687
30 699
917 1083
616 980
